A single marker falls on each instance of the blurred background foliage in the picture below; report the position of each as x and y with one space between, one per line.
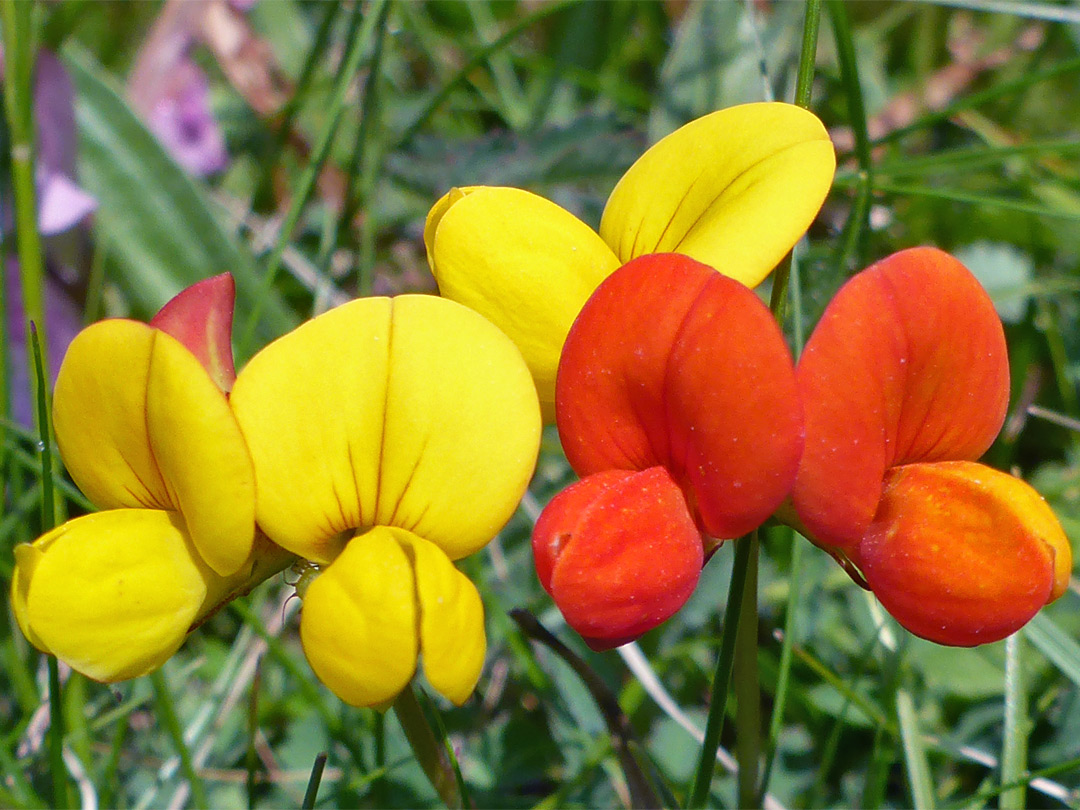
333 127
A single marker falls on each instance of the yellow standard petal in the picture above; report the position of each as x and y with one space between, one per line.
462 426
202 456
414 412
112 594
522 262
734 189
359 620
311 408
452 640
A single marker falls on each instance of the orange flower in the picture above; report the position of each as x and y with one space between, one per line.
904 384
676 403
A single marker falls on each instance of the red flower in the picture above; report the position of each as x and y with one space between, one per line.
904 384
676 404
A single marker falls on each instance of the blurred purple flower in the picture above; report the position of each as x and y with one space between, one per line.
61 206
181 119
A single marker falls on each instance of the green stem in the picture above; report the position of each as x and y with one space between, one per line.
430 754
849 76
166 712
350 67
714 725
747 684
1014 745
312 792
19 45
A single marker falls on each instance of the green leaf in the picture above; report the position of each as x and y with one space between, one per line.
162 231
1055 644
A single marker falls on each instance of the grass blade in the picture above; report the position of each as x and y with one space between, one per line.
918 769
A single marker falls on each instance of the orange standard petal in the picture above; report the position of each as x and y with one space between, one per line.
619 554
962 554
908 364
672 364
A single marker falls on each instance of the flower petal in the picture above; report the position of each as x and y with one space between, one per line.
522 262
359 622
112 594
619 554
908 364
201 318
734 189
452 639
415 413
672 364
962 554
140 424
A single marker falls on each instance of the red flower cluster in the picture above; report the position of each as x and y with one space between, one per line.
679 407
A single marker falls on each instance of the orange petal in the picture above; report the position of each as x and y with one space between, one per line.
962 554
200 317
672 364
619 554
908 364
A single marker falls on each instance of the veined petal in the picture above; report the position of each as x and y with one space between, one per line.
452 640
962 554
201 317
522 262
415 413
359 622
619 553
908 364
112 594
734 189
141 424
201 454
672 364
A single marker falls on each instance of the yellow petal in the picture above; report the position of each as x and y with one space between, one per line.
112 594
311 408
522 262
201 454
99 412
462 426
359 622
451 621
141 424
415 413
734 189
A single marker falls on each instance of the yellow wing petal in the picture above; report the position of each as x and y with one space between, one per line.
112 594
359 622
734 189
452 637
523 263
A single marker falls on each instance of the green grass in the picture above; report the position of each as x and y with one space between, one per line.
326 200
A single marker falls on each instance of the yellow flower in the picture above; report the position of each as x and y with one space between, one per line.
389 438
734 190
148 435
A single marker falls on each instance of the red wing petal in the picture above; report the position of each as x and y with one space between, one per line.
962 554
619 554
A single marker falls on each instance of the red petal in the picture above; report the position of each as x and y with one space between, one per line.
908 364
619 554
962 554
670 363
200 317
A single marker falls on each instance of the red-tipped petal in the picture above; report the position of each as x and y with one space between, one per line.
619 554
962 554
671 363
908 364
200 317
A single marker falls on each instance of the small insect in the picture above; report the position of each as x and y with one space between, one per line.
305 572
